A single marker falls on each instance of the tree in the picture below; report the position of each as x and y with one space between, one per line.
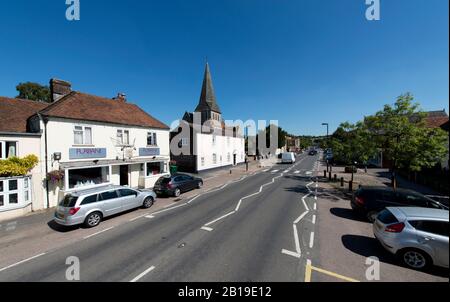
34 92
405 140
352 143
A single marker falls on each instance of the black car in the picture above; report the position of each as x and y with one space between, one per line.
312 152
369 201
176 184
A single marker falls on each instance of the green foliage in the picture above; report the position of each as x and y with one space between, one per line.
15 166
352 143
399 131
34 92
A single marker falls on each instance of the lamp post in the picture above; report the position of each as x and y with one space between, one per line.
326 124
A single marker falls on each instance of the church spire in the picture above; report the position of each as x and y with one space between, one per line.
207 97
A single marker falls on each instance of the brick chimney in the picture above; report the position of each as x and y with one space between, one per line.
59 89
121 97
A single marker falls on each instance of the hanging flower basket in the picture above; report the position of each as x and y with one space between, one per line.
55 176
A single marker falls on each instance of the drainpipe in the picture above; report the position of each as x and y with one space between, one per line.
45 120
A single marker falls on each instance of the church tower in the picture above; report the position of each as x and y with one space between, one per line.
207 105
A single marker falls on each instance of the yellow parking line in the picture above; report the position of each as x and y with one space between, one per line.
310 268
308 271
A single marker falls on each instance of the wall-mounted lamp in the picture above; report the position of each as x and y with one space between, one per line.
57 156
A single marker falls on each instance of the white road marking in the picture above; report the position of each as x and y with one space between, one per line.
137 217
207 229
308 172
293 254
314 219
297 241
221 217
275 171
171 208
301 217
311 240
315 206
296 172
143 274
266 170
149 216
99 232
304 202
20 262
194 198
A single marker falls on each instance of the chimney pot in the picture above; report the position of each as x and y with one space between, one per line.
121 97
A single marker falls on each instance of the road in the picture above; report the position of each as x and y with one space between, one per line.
260 228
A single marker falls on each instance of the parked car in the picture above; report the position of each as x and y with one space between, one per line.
176 184
288 158
418 236
90 206
369 201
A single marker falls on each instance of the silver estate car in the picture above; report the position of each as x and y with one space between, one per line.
90 206
418 236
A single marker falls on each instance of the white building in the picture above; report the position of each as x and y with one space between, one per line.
217 146
91 141
22 194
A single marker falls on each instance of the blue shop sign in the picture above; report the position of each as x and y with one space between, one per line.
148 151
81 153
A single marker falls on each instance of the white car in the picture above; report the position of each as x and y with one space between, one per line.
288 157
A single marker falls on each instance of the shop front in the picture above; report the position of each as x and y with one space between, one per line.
135 173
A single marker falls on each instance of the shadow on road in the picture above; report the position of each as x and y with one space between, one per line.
64 229
369 247
348 214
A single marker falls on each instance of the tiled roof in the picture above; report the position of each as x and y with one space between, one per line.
436 119
81 106
15 112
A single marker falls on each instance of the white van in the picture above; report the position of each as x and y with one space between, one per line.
288 157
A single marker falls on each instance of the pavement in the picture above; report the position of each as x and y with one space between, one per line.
276 223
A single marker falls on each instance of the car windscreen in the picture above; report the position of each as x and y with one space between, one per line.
69 201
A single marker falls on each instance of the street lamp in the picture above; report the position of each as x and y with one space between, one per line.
326 124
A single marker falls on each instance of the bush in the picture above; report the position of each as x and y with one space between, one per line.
15 166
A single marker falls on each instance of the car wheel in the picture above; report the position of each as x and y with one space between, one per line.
371 216
93 219
148 202
415 259
199 184
177 192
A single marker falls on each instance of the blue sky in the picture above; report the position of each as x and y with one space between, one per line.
302 62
